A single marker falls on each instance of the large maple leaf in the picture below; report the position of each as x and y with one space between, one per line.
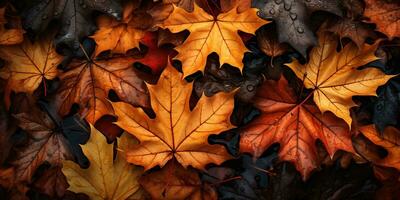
296 126
106 177
335 77
29 64
88 82
176 131
210 34
386 15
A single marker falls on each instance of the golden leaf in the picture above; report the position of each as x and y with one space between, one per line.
28 64
176 131
335 77
209 34
106 177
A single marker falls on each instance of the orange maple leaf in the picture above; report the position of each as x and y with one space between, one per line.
176 132
296 126
209 34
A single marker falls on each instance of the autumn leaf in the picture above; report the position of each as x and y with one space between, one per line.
45 144
269 44
347 28
176 132
87 83
386 15
176 183
209 34
389 139
335 77
29 64
10 36
74 18
296 126
120 36
107 177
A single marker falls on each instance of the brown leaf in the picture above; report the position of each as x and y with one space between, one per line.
175 182
13 35
385 14
45 144
88 82
357 31
269 44
52 183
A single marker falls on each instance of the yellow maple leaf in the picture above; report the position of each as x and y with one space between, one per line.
176 131
209 34
106 178
28 64
335 77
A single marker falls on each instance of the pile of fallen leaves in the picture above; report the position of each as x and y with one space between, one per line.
200 99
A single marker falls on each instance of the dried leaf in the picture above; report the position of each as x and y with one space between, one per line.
176 131
107 177
335 77
209 34
296 126
386 15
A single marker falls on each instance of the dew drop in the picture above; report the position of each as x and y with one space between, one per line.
272 11
250 88
300 30
287 6
293 16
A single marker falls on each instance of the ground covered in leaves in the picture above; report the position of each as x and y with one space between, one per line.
199 99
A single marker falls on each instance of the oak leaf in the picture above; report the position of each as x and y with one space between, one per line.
176 183
176 132
87 83
296 126
9 36
389 139
209 34
386 15
107 177
335 77
29 64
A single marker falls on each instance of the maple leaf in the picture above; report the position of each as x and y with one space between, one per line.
355 30
107 177
296 126
176 131
209 34
269 44
291 18
385 15
9 36
120 36
29 64
175 182
45 144
88 82
389 139
335 77
74 17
